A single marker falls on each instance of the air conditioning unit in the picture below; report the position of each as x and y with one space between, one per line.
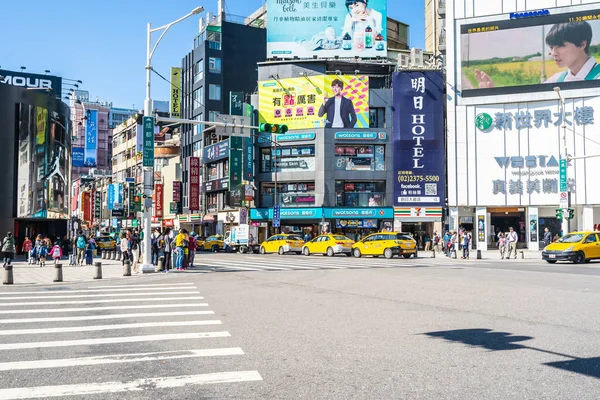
403 60
416 57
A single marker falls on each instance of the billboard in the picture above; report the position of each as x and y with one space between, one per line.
554 49
91 139
419 139
175 104
326 29
194 183
78 156
28 80
320 101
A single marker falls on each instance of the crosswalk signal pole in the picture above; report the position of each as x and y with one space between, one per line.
566 222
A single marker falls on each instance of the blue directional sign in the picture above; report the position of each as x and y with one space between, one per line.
276 216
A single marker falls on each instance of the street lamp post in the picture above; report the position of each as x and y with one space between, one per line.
148 172
275 200
566 222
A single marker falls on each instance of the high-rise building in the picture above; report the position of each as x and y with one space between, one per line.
119 115
435 26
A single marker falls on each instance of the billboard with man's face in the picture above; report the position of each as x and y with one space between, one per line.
321 101
325 29
531 52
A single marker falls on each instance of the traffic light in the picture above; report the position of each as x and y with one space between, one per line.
272 128
571 213
559 213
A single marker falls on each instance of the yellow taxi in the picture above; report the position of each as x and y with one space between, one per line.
329 245
282 243
387 244
578 247
106 243
213 243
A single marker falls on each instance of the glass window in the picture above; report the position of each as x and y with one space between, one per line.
289 159
214 92
359 194
214 65
360 158
591 239
198 97
376 117
200 127
199 71
297 194
212 115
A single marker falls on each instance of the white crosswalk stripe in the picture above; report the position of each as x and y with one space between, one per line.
162 324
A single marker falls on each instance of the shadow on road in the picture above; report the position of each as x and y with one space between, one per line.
499 341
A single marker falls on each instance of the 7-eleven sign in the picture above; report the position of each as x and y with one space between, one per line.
417 212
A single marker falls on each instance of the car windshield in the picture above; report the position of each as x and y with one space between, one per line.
292 237
571 238
403 236
104 239
340 237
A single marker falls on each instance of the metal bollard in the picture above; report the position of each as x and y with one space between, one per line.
161 263
104 254
433 256
8 275
479 254
98 274
127 268
58 275
522 254
113 255
454 254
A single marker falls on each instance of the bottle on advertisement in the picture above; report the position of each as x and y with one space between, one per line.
368 37
347 42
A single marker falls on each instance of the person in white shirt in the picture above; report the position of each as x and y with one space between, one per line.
512 238
358 13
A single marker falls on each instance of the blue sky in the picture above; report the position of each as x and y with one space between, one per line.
104 43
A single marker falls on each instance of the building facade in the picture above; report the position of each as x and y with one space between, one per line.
515 111
435 26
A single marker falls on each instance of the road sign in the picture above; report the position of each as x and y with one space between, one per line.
235 125
148 144
564 199
130 180
563 175
276 216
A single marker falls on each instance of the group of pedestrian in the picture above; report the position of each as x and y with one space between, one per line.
44 248
507 242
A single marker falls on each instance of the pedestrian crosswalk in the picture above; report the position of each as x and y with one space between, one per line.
220 262
157 339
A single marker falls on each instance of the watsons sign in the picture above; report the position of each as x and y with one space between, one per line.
529 14
31 81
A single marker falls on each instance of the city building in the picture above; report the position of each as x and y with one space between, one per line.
435 26
515 113
119 115
219 73
35 167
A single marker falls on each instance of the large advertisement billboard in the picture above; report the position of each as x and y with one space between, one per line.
326 29
419 139
91 139
531 53
321 101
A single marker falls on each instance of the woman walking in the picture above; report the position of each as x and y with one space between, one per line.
502 244
8 248
125 248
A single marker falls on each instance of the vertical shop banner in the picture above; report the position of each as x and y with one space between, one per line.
148 144
248 168
418 138
310 102
175 106
236 103
481 228
78 156
235 168
90 157
194 183
326 29
533 227
119 194
176 191
158 200
110 198
86 203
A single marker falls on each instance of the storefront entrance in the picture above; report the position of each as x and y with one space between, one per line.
502 221
419 230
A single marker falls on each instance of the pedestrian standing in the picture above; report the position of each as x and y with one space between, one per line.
547 236
502 244
27 249
168 249
466 242
179 247
192 249
9 248
134 245
512 239
81 243
56 253
427 242
125 248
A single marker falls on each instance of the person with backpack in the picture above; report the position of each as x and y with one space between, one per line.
134 245
80 243
9 248
56 253
42 254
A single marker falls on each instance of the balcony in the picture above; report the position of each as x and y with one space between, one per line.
441 9
442 41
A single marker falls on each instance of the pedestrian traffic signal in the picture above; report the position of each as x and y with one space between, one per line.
571 213
559 213
272 128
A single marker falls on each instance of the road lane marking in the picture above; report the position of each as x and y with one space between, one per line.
112 340
119 358
85 309
41 303
94 295
129 289
93 328
135 285
99 317
138 385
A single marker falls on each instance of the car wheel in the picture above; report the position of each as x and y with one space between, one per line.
579 258
387 253
214 249
356 253
306 251
587 261
406 255
551 261
281 252
330 252
262 250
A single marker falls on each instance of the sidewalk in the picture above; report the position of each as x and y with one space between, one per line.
25 274
522 254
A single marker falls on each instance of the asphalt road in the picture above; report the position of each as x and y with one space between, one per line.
312 328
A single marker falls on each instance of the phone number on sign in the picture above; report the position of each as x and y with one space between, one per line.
418 178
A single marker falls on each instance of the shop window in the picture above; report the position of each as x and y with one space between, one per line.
212 171
359 194
376 117
289 159
360 158
214 92
296 194
212 202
